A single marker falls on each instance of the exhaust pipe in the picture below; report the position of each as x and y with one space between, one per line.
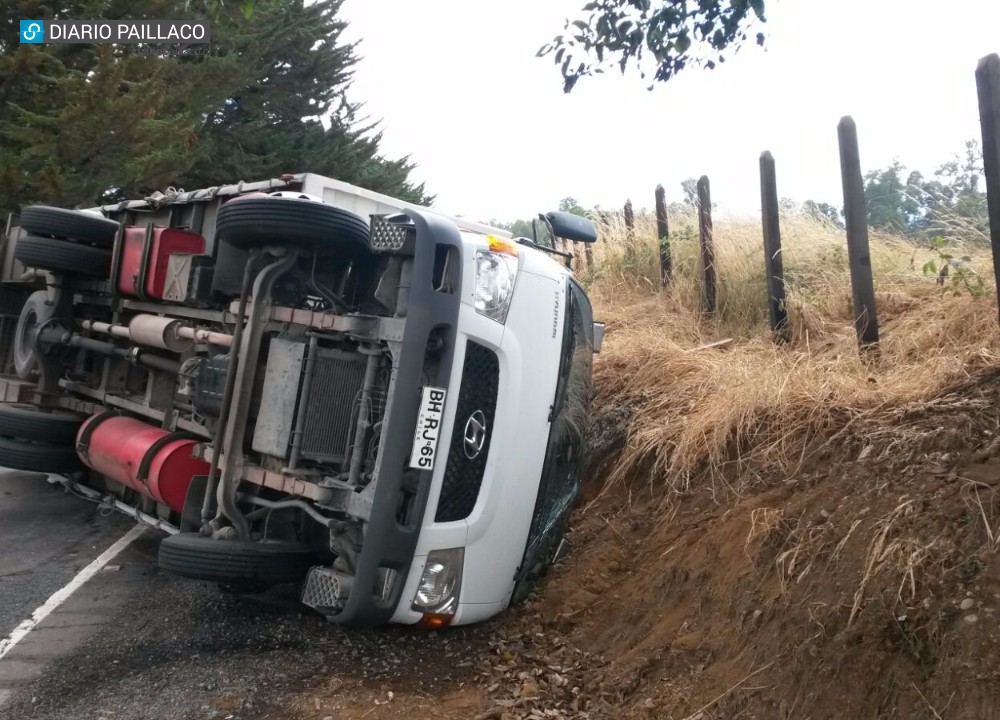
160 332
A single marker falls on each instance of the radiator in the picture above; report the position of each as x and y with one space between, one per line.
332 405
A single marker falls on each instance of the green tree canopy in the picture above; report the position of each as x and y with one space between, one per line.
894 198
659 37
83 122
570 205
690 189
823 211
908 202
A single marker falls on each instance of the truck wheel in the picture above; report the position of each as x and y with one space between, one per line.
235 562
258 220
30 422
38 457
34 313
63 256
60 223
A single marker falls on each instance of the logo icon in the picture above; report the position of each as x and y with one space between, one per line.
475 435
32 32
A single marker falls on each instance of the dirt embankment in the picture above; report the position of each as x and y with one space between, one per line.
867 584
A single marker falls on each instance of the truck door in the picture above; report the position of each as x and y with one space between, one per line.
560 481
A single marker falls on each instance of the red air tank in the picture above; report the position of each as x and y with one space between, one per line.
141 457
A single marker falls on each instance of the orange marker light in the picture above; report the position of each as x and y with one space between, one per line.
431 621
499 245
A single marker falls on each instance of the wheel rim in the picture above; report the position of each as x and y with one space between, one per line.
24 350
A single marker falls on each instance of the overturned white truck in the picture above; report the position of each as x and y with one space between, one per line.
301 381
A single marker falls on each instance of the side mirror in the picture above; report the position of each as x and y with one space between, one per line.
571 227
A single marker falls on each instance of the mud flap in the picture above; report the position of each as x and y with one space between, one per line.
191 515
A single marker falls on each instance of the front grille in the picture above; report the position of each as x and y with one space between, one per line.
330 411
463 475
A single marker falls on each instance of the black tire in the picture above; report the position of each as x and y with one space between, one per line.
235 562
30 422
258 220
38 457
60 223
63 256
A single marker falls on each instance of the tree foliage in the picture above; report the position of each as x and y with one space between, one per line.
79 123
570 205
690 189
659 37
907 202
823 211
894 197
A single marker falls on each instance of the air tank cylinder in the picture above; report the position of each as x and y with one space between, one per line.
147 459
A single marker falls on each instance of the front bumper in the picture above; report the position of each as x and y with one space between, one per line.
389 543
494 533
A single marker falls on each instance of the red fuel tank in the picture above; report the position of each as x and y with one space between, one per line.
147 251
125 450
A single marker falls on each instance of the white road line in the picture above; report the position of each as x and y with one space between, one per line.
60 596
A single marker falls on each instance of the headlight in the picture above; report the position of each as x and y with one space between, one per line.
439 586
495 275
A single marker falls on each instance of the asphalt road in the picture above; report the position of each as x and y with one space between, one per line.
46 537
133 643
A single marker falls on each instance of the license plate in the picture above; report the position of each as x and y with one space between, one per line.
428 428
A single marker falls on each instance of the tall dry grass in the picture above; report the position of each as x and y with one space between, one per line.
753 405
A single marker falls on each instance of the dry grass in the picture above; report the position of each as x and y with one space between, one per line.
753 405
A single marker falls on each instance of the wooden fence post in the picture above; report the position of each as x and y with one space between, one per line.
630 253
708 289
663 237
773 262
988 82
858 253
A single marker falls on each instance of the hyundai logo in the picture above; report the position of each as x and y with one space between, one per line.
475 435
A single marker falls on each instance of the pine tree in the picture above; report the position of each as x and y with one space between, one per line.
293 116
79 123
76 119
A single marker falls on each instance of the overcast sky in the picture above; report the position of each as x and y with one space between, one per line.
458 87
